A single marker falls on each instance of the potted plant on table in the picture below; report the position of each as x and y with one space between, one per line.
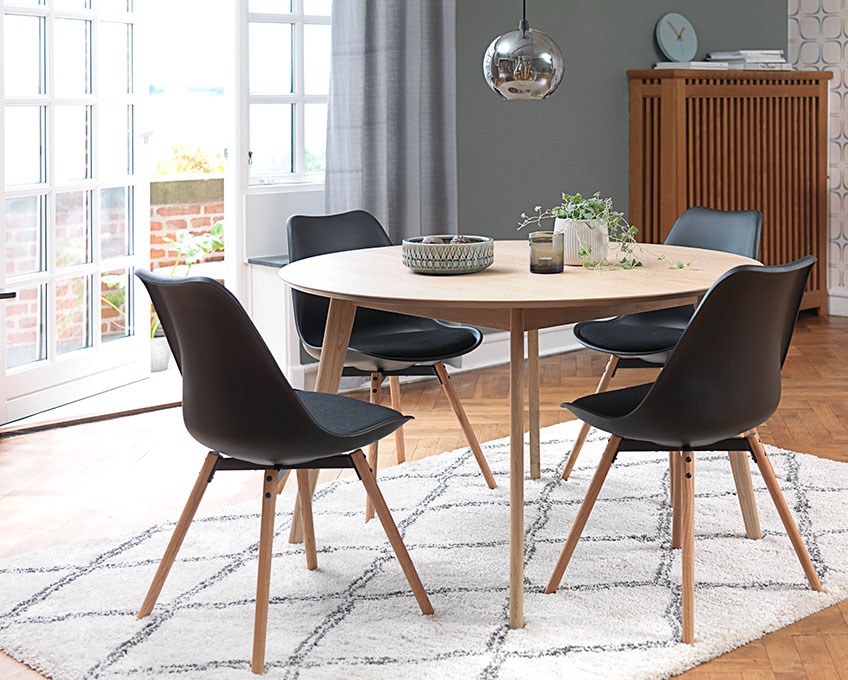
588 225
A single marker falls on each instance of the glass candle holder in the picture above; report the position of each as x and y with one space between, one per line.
546 252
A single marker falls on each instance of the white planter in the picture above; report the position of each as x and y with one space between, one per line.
590 235
160 354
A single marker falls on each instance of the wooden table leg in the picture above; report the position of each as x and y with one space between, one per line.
516 469
376 397
333 353
745 493
394 391
533 402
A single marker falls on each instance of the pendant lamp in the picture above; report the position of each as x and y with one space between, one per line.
523 64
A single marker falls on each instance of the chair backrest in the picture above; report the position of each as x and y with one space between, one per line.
727 231
235 398
309 236
723 377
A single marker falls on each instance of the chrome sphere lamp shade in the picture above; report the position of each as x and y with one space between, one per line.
523 64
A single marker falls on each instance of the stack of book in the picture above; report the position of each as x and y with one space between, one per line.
752 60
708 65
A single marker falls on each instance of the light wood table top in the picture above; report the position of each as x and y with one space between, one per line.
377 278
505 296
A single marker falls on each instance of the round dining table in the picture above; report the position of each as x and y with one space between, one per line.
508 297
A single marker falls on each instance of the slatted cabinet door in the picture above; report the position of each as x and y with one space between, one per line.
734 140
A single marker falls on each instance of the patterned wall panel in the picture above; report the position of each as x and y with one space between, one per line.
818 39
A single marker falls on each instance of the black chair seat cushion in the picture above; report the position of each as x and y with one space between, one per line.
641 334
357 422
616 411
412 339
597 409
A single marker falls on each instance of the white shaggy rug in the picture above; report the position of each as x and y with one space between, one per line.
70 612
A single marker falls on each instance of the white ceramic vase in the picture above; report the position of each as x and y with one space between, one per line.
589 235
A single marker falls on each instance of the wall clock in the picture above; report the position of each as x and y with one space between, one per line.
676 37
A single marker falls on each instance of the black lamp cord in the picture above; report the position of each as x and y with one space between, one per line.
523 25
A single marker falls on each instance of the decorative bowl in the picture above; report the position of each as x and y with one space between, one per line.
447 257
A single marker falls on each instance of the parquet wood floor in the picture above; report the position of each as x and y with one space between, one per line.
106 478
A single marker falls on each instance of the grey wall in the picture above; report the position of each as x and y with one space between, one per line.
515 155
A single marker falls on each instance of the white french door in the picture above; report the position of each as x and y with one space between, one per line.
74 211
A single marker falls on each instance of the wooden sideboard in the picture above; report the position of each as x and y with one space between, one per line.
734 140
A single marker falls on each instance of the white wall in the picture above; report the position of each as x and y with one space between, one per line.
266 213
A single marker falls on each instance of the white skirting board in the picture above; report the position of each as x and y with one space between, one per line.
838 302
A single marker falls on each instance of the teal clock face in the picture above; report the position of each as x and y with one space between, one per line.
676 37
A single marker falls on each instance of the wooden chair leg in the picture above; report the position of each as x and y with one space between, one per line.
686 483
370 482
203 478
456 405
609 371
583 513
376 397
767 471
675 474
284 477
745 493
394 391
263 578
296 530
533 403
306 519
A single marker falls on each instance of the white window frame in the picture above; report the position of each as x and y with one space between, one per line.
63 377
297 98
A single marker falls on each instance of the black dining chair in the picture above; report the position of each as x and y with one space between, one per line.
721 379
645 339
237 402
382 344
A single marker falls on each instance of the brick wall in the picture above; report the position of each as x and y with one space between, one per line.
192 204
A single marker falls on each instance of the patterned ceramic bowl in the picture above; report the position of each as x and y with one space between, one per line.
447 257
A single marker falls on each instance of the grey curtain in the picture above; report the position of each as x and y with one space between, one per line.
391 138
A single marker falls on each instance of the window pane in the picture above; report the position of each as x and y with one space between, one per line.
114 305
71 4
270 6
24 145
115 129
26 327
315 137
71 57
115 221
318 7
114 58
73 228
73 320
25 225
73 142
270 58
271 139
316 58
115 5
22 55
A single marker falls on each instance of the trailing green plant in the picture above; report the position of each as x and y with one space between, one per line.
190 249
589 209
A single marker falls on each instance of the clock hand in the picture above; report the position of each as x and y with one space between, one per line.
676 32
